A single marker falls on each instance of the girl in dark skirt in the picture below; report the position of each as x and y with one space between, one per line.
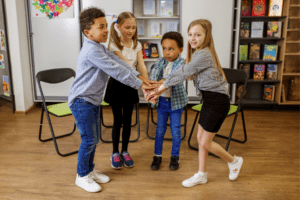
204 68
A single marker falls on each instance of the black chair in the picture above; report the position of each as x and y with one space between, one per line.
137 123
150 112
233 76
54 76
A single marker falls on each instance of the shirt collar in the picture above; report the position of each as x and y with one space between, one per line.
92 42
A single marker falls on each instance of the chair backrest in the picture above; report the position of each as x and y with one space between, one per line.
55 75
235 75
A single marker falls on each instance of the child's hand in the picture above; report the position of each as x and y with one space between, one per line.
147 87
147 93
146 81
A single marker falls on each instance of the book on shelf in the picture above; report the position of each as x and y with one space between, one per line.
166 8
140 27
245 8
274 29
269 92
245 30
154 28
153 50
257 29
243 52
275 8
246 68
259 72
254 51
272 71
270 52
149 7
258 7
145 49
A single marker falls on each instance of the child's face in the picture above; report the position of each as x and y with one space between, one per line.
98 31
196 36
128 28
171 50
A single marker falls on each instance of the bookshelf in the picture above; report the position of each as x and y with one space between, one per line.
255 88
290 73
147 20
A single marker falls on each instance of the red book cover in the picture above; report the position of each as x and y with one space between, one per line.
258 7
245 8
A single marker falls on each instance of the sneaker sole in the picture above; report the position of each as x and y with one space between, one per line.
114 166
194 184
87 190
238 172
128 166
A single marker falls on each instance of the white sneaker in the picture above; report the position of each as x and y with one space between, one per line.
195 180
87 183
98 177
234 169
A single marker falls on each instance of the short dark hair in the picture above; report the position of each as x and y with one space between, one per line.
88 16
173 36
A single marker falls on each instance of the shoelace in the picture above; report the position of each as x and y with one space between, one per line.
89 178
193 178
116 158
127 157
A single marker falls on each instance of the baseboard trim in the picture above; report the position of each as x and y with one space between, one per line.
27 111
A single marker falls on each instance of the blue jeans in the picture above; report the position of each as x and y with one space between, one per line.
87 119
164 110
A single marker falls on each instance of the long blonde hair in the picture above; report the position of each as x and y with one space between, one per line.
208 42
114 37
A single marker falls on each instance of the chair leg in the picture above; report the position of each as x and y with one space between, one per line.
152 119
53 135
137 123
192 131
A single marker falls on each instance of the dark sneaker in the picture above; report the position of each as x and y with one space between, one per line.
156 162
174 163
128 162
116 161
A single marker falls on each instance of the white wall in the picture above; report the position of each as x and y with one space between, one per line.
219 13
19 53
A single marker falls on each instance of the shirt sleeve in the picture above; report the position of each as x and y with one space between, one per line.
113 47
138 47
200 61
113 68
154 73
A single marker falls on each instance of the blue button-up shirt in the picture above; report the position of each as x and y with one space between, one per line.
178 94
95 64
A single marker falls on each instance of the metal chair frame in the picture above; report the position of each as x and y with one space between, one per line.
53 76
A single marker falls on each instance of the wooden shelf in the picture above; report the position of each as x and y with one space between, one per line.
263 81
293 41
148 38
150 59
260 39
296 29
290 103
261 61
298 17
291 74
157 17
292 54
294 5
264 18
258 102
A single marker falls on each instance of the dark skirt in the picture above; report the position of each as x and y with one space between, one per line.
214 110
118 93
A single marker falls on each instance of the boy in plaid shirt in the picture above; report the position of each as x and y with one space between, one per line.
171 102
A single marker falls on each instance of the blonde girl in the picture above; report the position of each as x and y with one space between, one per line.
123 42
204 68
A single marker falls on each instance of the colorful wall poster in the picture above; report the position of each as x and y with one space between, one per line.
52 8
2 66
2 40
6 88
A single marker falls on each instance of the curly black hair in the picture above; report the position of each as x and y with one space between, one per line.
88 16
173 36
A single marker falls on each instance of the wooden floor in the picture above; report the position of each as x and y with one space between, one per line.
30 169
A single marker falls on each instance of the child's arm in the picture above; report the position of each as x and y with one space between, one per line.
119 53
200 61
141 65
114 69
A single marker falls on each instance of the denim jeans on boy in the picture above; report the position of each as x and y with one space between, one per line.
87 119
163 112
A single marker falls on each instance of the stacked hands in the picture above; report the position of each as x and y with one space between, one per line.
152 89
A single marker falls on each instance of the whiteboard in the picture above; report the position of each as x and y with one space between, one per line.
55 43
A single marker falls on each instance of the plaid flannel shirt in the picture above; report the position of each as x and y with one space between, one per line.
178 94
